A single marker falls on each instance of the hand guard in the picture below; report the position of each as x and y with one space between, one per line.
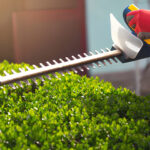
139 24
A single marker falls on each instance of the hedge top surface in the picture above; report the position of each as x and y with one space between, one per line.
72 112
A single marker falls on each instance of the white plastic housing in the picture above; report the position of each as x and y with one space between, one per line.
129 44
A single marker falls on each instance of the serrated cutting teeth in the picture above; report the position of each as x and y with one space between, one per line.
34 80
35 66
103 62
55 62
62 61
108 49
114 59
6 73
12 86
91 53
48 77
85 54
28 68
42 65
81 69
21 84
109 61
42 79
68 71
62 73
21 70
48 63
75 71
102 51
97 52
67 59
87 67
99 65
27 82
80 56
13 71
92 65
79 63
74 58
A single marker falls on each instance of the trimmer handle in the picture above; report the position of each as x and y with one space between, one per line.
145 50
141 22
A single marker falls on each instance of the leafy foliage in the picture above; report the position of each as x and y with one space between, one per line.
72 112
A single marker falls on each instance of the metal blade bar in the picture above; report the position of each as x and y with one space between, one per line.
58 67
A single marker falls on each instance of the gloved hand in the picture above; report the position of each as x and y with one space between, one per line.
139 21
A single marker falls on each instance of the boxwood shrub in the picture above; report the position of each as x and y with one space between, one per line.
72 112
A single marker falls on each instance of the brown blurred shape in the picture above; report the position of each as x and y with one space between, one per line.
41 30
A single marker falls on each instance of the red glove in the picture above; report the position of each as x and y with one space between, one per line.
139 21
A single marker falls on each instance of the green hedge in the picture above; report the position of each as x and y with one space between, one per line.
72 112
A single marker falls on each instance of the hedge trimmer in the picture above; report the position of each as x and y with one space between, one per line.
127 47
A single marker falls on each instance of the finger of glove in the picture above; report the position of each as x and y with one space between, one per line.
141 35
144 35
133 21
128 18
138 29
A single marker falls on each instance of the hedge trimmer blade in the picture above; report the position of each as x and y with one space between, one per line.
70 64
127 47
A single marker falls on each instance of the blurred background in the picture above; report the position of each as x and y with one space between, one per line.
34 31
